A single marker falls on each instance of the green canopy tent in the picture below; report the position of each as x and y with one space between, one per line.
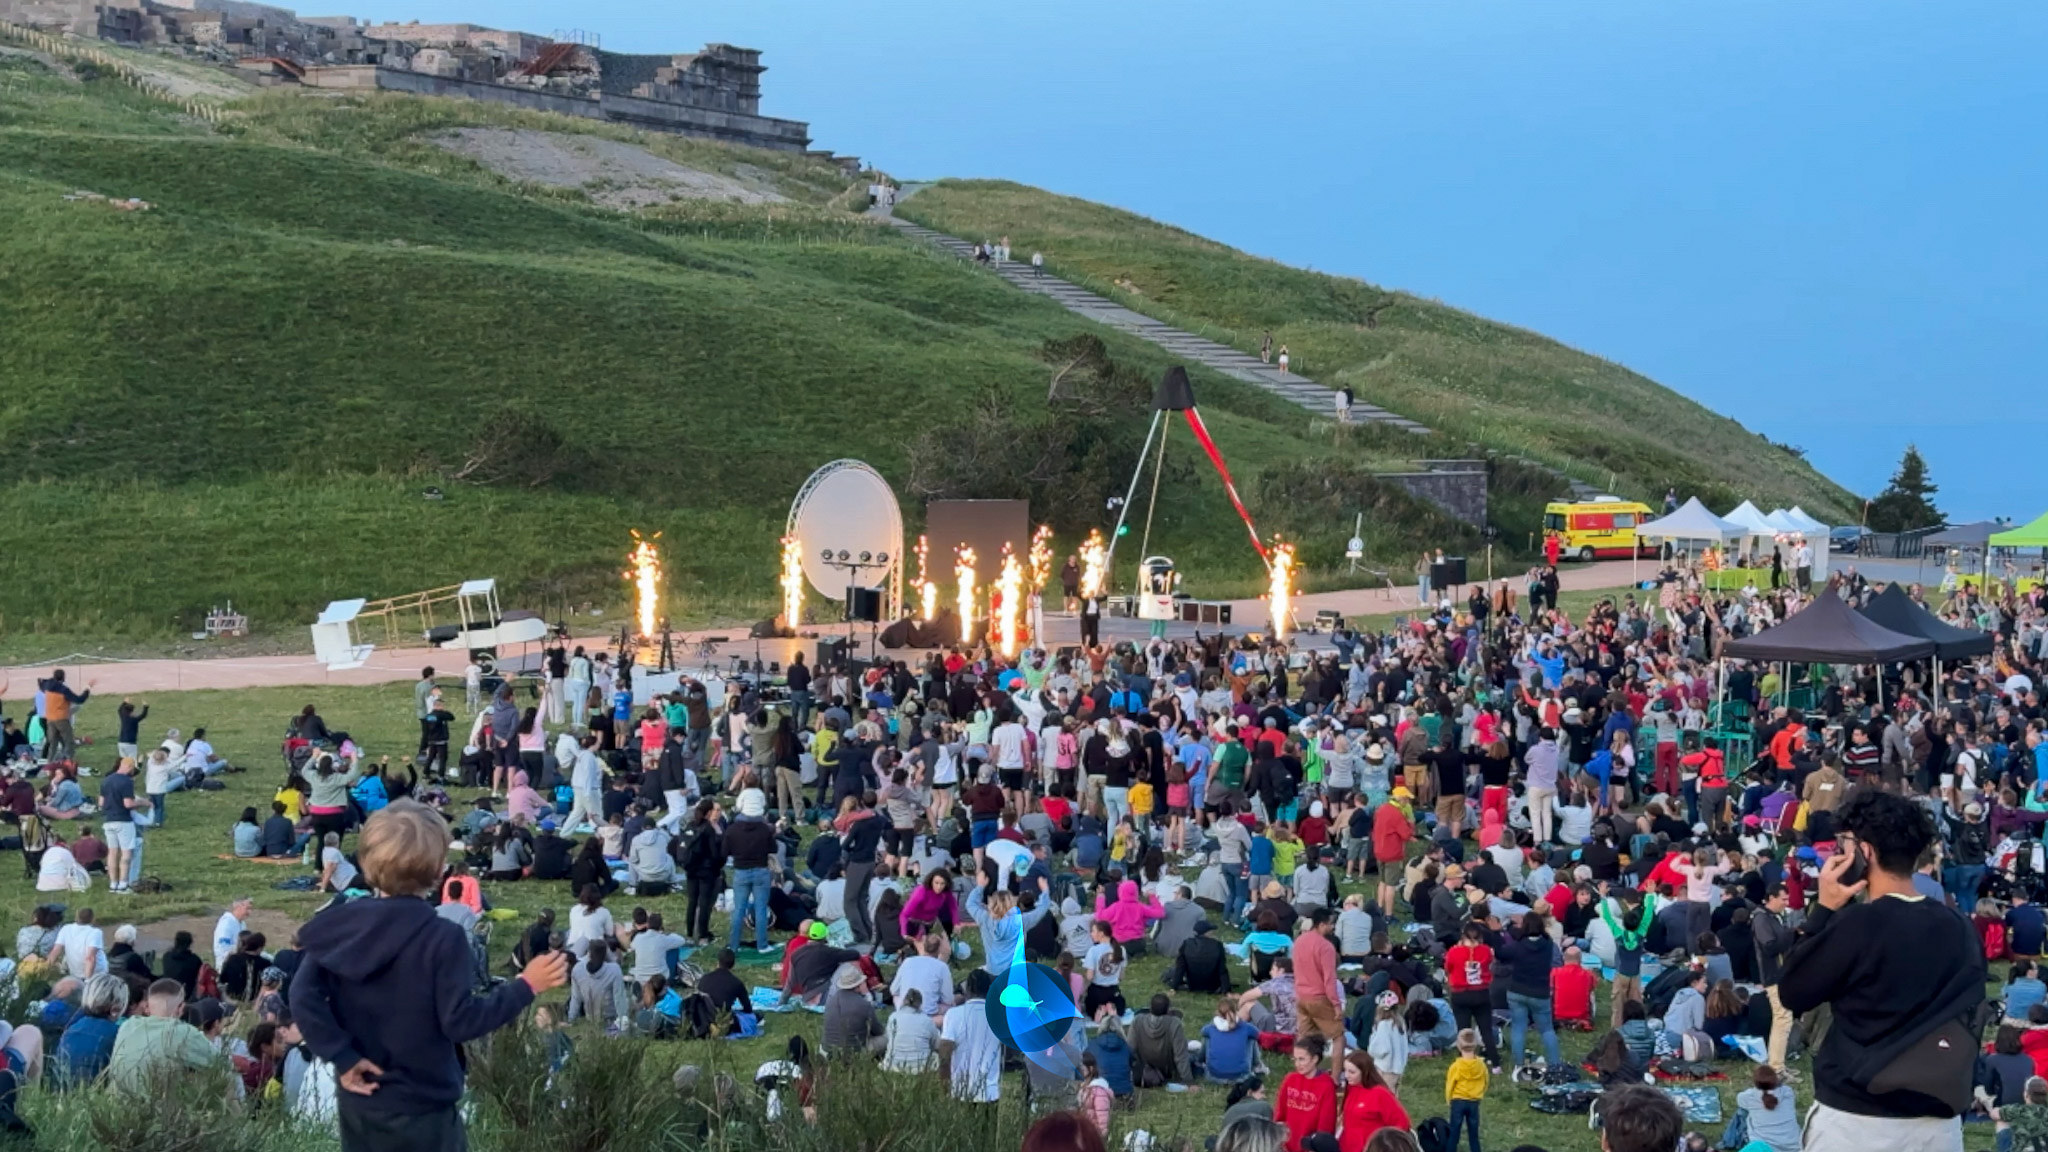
2034 535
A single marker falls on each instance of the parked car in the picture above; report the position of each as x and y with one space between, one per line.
1848 539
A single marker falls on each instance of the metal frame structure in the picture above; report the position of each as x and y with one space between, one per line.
892 580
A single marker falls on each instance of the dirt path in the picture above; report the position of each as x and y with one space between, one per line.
611 173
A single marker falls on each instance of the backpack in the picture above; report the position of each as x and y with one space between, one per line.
1658 995
1434 1134
1994 941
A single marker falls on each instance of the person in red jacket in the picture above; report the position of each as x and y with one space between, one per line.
1468 965
1369 1105
1307 1101
1391 830
1571 992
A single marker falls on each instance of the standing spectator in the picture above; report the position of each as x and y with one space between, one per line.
384 993
970 1055
1464 1087
1530 957
1468 966
1773 941
1316 993
60 701
1904 976
117 810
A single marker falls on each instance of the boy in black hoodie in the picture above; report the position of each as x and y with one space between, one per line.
384 993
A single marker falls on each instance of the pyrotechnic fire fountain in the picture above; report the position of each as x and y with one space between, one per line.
927 588
1280 588
645 574
1005 604
792 582
964 576
1094 565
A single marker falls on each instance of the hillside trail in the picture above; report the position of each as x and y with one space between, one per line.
1238 365
1288 385
114 678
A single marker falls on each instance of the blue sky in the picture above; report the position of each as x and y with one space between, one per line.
1824 218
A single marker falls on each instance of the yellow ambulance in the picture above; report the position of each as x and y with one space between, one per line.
1601 528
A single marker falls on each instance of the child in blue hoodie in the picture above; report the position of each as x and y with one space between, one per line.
384 993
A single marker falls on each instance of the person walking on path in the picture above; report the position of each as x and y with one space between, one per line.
1283 359
1266 347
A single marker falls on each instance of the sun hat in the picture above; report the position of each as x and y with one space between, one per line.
849 978
1401 792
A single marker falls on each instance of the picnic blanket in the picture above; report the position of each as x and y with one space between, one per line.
770 1000
286 861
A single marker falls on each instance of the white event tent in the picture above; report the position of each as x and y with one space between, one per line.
1692 521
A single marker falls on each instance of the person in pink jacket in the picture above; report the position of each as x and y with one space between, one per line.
1128 915
931 905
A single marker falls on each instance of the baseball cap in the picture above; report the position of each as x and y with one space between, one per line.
818 930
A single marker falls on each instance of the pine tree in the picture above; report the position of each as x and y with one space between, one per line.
1907 502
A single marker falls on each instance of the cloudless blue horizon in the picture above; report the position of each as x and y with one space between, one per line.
1822 219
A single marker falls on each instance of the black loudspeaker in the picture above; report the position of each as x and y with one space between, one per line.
864 605
1448 572
831 652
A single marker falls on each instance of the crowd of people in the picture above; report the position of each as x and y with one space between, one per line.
1526 807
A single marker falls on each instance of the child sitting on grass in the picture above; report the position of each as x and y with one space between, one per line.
383 993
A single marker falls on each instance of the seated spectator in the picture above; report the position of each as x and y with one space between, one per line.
60 870
1201 964
248 836
910 1042
280 837
152 1053
1112 1052
1160 1043
1230 1047
1571 992
850 1021
87 1043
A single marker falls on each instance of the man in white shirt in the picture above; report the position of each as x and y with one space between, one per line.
81 947
200 754
1006 744
227 932
969 1052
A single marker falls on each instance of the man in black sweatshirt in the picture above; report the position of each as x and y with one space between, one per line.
384 992
1905 977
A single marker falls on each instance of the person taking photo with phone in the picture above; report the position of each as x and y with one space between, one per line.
1904 976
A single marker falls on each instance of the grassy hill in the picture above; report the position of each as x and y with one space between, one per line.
243 392
1472 379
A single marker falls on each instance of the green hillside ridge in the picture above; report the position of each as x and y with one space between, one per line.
242 393
1472 379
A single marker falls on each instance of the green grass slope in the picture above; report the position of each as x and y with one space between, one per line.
241 393
1506 389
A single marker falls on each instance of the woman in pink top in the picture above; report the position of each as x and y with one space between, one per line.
1128 915
1706 866
931 905
653 734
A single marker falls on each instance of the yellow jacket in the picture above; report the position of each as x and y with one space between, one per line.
1465 1079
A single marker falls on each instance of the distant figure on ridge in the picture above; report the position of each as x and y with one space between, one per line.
1283 359
1266 348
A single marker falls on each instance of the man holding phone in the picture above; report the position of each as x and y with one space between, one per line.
1905 977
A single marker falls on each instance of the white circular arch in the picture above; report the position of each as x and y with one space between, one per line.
847 506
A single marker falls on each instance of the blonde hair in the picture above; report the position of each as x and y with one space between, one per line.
1468 1041
404 849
